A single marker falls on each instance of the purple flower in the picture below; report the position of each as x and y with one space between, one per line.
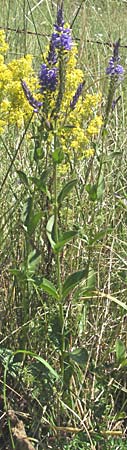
52 57
60 19
77 95
114 68
32 101
48 78
62 37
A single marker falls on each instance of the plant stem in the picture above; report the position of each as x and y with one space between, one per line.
59 284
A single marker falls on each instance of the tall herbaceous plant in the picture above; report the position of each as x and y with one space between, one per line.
64 122
56 115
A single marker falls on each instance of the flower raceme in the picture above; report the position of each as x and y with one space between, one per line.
114 69
48 78
61 39
32 101
77 95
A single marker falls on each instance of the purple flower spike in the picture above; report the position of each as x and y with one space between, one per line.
62 39
52 57
77 95
116 50
60 20
114 69
32 101
48 78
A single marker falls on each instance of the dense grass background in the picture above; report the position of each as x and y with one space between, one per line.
95 400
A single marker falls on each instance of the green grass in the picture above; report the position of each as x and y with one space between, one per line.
93 396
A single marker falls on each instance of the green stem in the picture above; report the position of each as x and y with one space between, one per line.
59 284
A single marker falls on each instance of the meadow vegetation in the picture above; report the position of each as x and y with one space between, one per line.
63 188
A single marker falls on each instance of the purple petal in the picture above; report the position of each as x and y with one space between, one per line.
32 101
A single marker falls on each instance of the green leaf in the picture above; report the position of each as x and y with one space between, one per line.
27 211
64 239
49 231
38 153
33 222
96 190
120 351
23 177
100 235
58 156
49 287
124 364
92 191
38 358
91 279
33 260
80 356
100 186
73 280
66 190
104 132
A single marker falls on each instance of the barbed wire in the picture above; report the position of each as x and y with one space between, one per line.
32 33
60 4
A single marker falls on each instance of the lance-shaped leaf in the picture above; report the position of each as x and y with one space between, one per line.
33 222
33 355
49 231
92 191
27 211
66 190
33 260
100 235
96 190
100 186
64 239
49 287
73 280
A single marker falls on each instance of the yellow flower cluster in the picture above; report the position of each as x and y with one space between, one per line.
3 44
94 125
82 124
14 107
76 129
